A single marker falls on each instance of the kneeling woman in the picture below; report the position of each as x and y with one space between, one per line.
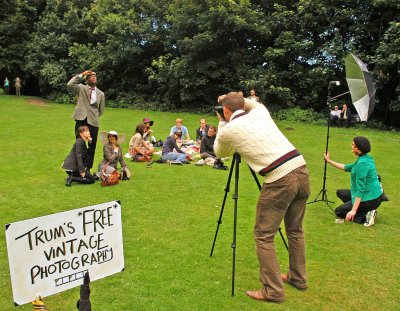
364 196
112 152
75 164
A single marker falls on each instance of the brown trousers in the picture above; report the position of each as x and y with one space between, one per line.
282 199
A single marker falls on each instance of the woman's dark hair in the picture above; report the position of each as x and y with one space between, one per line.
80 130
140 128
362 143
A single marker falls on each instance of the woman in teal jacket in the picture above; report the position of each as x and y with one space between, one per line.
364 197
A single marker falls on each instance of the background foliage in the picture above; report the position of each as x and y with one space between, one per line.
181 54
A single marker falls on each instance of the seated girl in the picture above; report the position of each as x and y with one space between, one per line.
138 148
112 152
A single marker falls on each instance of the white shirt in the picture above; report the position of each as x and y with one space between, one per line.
257 139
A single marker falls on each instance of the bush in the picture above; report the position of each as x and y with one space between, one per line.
299 115
62 98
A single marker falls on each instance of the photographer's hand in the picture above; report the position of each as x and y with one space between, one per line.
220 98
220 118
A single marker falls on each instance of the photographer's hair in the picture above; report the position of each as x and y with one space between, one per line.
140 128
213 128
179 120
80 130
233 101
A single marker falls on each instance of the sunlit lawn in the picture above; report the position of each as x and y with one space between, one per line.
170 213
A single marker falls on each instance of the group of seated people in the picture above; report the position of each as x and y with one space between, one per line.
174 149
141 148
338 117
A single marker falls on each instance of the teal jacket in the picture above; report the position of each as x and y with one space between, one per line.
364 179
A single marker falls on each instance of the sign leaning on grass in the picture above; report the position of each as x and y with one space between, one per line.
51 254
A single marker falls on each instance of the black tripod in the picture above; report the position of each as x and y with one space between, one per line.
235 166
323 191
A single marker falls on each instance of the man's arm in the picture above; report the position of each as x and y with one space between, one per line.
75 81
73 84
187 134
102 105
222 145
250 104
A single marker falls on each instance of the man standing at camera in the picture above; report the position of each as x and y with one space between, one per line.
89 107
248 129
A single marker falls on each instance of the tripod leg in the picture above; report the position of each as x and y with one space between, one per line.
227 189
235 198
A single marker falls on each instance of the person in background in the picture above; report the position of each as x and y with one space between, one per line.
184 138
201 131
89 107
6 86
138 148
112 152
168 148
365 194
75 164
207 143
345 115
253 96
248 129
148 138
334 116
17 86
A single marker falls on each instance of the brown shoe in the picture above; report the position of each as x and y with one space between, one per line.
285 279
261 295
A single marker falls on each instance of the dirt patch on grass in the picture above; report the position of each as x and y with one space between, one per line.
37 102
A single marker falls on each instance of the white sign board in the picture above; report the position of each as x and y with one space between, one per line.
51 254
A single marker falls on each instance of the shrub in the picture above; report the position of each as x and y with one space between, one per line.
300 115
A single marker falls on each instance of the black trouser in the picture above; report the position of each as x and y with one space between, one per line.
364 207
87 179
334 120
94 130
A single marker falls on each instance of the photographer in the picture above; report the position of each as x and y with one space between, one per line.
247 128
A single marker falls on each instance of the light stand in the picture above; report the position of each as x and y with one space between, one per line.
323 191
235 166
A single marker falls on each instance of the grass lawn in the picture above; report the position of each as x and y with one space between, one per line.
169 216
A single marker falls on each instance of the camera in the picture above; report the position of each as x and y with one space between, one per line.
220 110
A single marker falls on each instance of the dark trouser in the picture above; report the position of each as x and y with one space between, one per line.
285 199
364 207
334 119
87 179
94 130
344 121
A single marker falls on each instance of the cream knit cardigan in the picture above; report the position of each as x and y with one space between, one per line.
257 139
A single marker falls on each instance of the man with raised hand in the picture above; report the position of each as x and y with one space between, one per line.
90 106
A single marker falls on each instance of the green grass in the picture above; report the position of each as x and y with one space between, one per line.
170 213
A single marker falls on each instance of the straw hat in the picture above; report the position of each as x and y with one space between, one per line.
104 137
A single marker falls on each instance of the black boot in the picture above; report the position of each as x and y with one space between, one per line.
68 182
